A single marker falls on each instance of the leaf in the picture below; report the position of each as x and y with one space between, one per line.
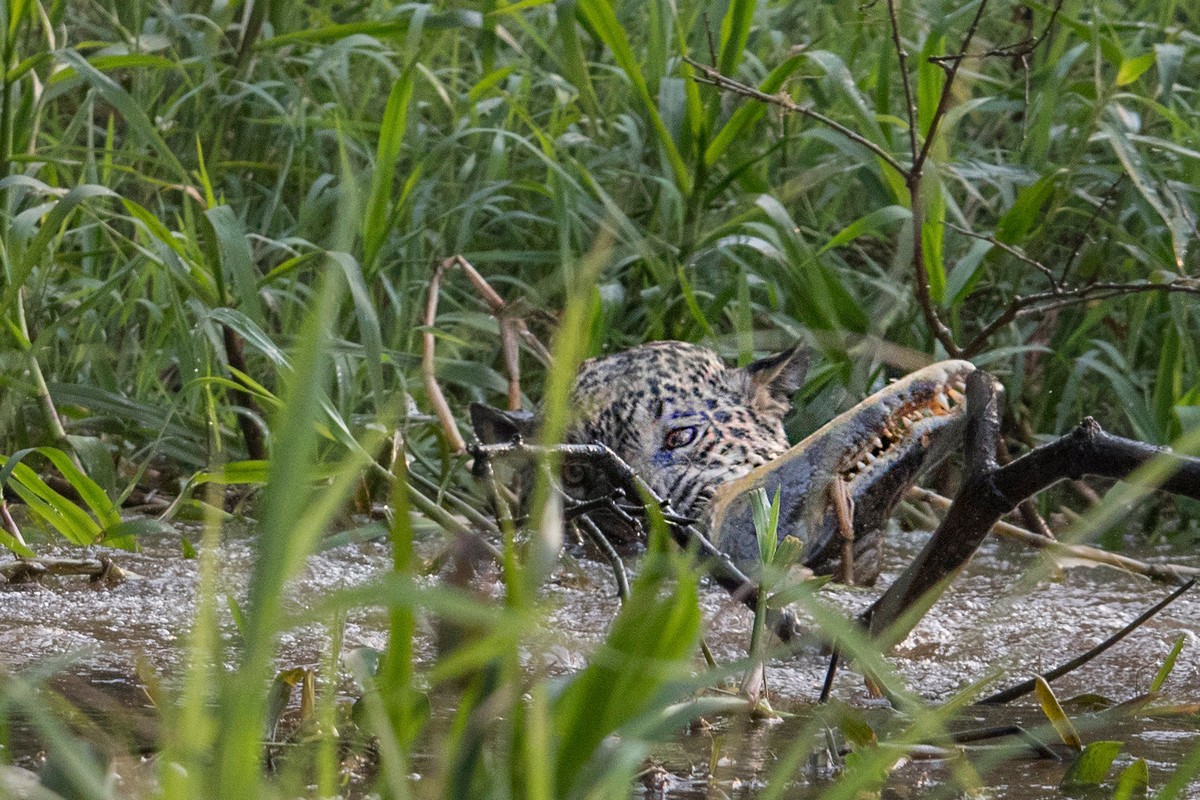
1133 781
735 32
137 122
857 730
1169 58
231 261
963 277
1058 718
39 247
650 645
933 235
750 112
1168 664
368 321
868 223
1132 68
387 155
766 522
1091 766
1026 209
600 16
235 473
1131 162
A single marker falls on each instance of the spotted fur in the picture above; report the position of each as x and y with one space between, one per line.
682 419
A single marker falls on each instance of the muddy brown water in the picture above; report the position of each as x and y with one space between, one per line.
994 618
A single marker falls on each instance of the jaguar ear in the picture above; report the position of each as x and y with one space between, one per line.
772 381
495 426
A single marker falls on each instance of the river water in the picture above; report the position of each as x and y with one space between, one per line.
994 618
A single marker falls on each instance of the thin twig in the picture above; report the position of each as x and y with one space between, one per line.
713 77
1013 251
1040 303
597 537
913 183
947 86
1108 195
1021 49
1024 688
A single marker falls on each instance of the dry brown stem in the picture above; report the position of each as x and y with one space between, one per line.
512 331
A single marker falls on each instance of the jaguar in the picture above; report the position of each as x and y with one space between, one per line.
703 435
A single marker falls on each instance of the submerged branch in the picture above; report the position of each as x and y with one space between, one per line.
991 491
1025 687
1165 573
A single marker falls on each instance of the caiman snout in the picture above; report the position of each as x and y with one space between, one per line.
873 453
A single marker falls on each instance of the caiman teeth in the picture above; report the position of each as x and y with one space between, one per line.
900 425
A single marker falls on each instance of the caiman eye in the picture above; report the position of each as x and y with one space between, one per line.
574 475
680 437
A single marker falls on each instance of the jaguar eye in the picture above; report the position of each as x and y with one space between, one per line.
680 437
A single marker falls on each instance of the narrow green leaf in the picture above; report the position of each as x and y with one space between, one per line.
387 156
95 497
572 59
761 510
1091 766
933 235
39 247
136 120
600 16
750 111
735 32
869 223
1168 664
1026 209
231 260
368 321
1133 781
235 473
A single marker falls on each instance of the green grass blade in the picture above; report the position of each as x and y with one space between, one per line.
383 176
735 33
600 16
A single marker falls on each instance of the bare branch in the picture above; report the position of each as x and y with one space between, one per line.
1042 302
511 328
1018 254
713 77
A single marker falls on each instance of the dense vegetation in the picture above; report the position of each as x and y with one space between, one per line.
221 224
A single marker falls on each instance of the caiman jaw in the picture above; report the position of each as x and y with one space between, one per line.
859 464
914 409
